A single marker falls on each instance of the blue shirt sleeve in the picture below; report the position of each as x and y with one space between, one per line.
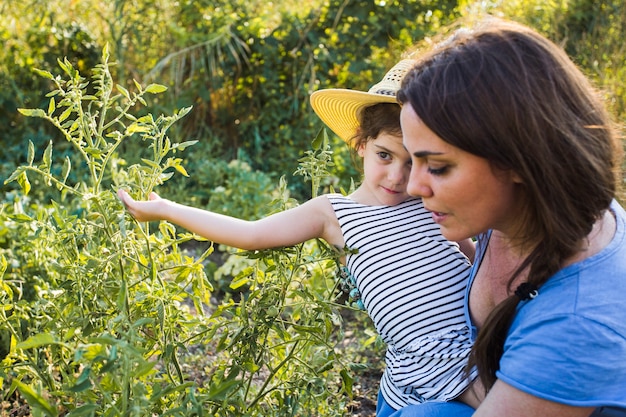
565 358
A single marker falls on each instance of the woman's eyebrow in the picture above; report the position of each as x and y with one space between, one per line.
423 154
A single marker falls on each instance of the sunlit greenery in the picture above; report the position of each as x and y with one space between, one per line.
205 101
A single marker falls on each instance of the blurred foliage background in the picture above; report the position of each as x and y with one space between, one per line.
248 67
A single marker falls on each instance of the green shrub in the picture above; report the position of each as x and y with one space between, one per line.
106 316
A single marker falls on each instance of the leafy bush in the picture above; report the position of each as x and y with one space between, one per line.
105 316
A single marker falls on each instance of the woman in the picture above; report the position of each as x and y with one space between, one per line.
511 144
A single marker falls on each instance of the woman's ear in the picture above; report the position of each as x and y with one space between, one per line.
516 178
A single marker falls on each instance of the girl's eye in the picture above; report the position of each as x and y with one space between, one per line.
384 155
437 171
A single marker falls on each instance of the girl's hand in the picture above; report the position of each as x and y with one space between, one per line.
143 211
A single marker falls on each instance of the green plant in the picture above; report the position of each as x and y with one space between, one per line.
105 316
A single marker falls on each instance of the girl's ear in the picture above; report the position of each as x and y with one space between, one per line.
360 150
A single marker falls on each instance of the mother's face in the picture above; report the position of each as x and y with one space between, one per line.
465 194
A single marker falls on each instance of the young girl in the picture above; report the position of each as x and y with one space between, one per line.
411 280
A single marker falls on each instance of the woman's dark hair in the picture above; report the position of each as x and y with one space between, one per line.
505 93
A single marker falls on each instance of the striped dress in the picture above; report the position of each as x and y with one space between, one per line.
412 282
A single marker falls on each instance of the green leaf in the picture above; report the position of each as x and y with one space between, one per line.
136 128
43 73
320 139
21 218
105 52
183 112
155 88
83 382
3 265
38 340
83 410
121 296
144 369
181 169
65 114
183 145
46 162
124 91
218 392
31 153
169 389
35 400
347 381
32 112
22 180
150 163
51 106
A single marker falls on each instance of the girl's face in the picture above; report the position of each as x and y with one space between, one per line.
386 169
465 194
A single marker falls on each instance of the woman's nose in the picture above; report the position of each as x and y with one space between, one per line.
418 185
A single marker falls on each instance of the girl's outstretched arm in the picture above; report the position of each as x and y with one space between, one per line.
313 219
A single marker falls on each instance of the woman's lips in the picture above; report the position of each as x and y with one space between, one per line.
438 216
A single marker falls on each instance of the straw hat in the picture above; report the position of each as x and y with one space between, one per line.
339 108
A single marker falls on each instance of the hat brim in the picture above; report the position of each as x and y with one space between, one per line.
339 108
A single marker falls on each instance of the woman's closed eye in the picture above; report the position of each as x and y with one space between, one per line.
439 170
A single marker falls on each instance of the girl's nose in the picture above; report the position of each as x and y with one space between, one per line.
418 185
398 174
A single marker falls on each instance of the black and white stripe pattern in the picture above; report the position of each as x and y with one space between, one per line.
412 282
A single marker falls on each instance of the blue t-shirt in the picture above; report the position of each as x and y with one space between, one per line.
568 344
